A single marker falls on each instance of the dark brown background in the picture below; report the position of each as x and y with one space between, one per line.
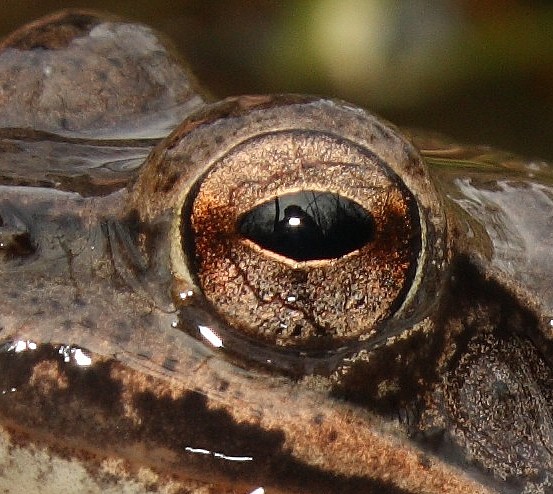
478 70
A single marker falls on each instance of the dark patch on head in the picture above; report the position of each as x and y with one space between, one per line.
136 260
474 311
140 258
394 377
15 245
88 382
189 422
102 75
64 123
134 239
80 412
92 385
15 237
481 304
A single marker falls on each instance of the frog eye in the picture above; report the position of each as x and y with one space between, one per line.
337 259
304 225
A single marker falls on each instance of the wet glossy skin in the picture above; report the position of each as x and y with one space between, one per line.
107 383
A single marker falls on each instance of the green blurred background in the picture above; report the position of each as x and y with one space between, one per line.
478 70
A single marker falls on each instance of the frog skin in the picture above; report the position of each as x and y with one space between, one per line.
123 368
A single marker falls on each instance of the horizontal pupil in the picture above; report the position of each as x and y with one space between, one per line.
308 225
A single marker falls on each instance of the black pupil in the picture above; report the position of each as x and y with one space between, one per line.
308 225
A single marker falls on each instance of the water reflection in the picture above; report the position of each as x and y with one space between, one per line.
479 70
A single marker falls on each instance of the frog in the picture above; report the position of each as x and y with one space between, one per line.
260 294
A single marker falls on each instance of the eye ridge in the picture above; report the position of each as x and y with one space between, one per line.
308 225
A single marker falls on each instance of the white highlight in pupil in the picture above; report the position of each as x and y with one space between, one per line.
294 221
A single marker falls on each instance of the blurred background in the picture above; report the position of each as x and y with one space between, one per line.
480 71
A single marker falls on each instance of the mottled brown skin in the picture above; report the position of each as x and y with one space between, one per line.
447 388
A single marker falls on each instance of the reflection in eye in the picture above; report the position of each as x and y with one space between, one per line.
308 225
